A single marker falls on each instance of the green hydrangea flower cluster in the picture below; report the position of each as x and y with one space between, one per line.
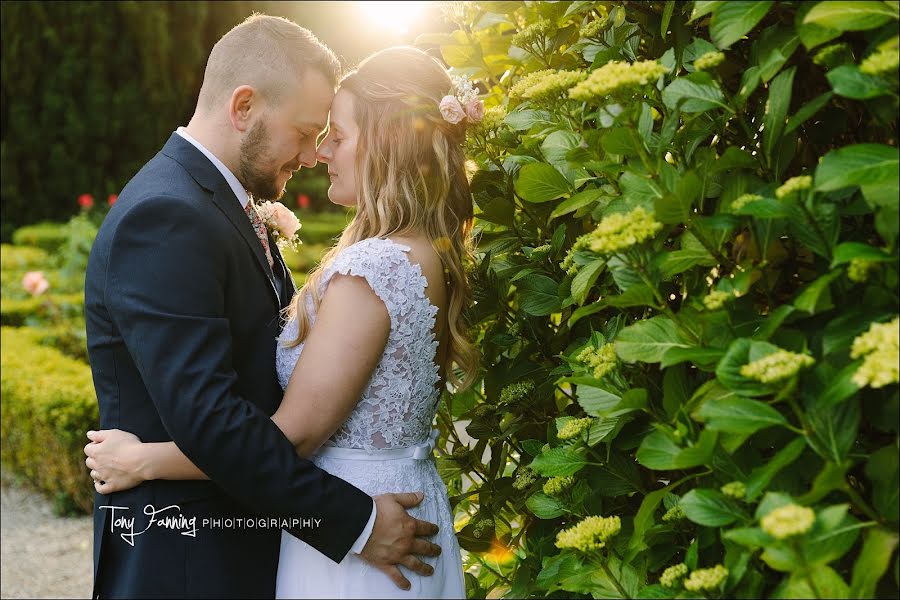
673 514
620 231
533 34
776 366
592 28
743 200
883 61
880 346
574 428
716 299
859 269
541 252
590 534
788 520
557 486
734 489
706 579
516 391
673 575
491 122
616 77
482 526
483 411
833 55
545 85
710 60
461 454
794 185
525 477
602 360
581 243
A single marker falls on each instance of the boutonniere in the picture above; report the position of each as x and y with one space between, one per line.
281 222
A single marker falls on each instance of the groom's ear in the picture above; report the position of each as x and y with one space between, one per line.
242 107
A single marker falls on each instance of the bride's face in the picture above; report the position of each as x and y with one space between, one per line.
338 150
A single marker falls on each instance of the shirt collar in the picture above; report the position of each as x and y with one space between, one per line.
233 182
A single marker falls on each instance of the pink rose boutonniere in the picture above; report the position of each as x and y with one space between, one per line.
281 222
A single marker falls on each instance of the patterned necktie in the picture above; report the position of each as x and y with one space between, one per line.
260 230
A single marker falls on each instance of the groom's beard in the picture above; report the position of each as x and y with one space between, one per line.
260 183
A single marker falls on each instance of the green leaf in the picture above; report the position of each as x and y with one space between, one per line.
702 7
839 388
666 17
873 561
638 190
848 81
850 16
827 583
883 469
676 207
808 299
751 537
643 520
806 111
558 462
764 208
584 279
647 341
660 453
761 476
523 120
710 508
540 182
847 251
735 19
595 400
739 415
621 140
831 536
557 145
538 295
694 93
544 506
857 164
831 431
776 111
579 200
700 356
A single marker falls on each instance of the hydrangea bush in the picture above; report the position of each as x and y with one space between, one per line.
687 300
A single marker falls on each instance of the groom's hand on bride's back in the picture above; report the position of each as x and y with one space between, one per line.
397 538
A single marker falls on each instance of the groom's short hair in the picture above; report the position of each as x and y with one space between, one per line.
268 53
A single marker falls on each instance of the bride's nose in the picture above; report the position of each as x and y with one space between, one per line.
322 155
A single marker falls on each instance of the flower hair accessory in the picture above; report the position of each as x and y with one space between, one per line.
281 222
462 102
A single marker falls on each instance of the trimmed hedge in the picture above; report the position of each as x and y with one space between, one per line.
46 235
48 402
22 258
15 312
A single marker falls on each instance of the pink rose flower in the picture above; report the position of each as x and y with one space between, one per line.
286 221
475 110
452 110
35 283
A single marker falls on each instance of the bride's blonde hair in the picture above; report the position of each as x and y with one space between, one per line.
410 176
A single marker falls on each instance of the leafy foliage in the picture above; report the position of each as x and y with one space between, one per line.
711 188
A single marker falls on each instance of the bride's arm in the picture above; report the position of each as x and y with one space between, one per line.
340 353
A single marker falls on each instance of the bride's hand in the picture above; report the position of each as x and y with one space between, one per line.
114 458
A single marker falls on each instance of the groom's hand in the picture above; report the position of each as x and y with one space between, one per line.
395 538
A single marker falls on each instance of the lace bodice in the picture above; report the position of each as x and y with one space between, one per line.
399 403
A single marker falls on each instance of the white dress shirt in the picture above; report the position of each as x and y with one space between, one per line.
243 197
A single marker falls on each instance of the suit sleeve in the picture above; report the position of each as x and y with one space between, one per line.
166 294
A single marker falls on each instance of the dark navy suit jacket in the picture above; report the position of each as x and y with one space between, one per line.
182 313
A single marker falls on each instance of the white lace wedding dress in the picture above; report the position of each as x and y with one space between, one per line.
385 445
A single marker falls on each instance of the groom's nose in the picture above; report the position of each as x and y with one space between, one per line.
308 159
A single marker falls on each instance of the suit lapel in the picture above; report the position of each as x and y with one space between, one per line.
208 176
288 289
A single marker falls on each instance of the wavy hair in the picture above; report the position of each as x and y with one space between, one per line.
410 177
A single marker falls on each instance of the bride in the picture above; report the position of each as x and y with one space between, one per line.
393 150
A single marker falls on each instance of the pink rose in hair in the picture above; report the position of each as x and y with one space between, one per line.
35 283
475 110
452 110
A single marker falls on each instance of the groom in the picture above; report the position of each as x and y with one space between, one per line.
182 301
